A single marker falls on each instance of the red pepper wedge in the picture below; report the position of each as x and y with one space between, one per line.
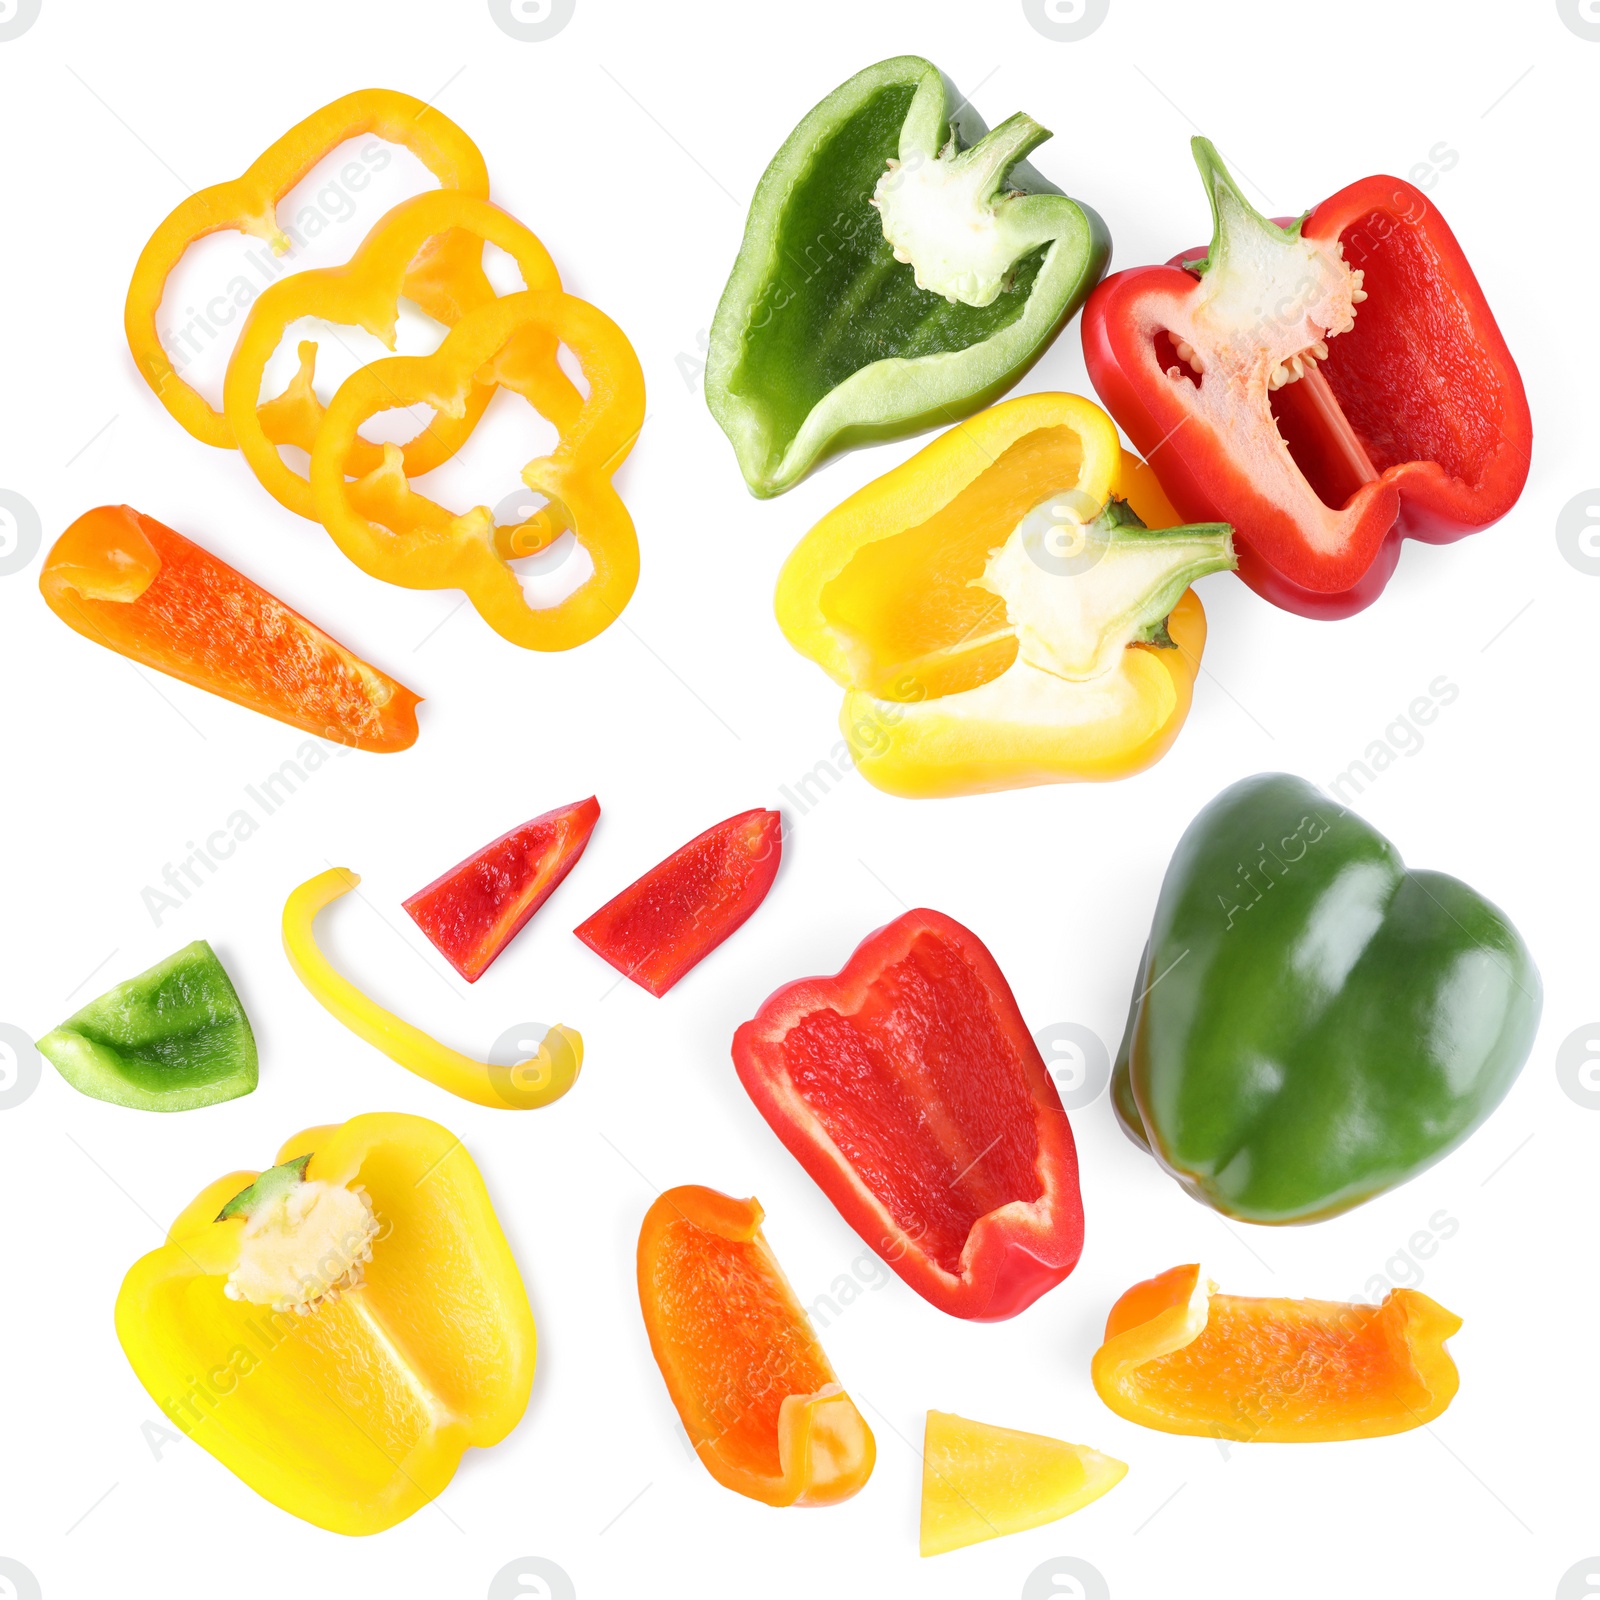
1330 387
683 908
473 911
910 1089
135 586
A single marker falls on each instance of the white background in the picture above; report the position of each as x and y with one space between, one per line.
631 144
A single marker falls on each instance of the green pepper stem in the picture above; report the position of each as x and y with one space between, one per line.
1231 213
999 150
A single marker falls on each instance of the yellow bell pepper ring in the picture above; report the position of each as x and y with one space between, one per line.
393 533
521 1086
365 292
248 204
337 1330
1011 606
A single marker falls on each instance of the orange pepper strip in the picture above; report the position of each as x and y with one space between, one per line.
757 1397
249 204
402 537
125 581
365 292
1181 1358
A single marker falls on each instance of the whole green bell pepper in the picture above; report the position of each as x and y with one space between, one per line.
901 267
171 1039
1312 1022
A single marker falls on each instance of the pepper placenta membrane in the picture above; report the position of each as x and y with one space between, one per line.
982 1482
135 586
1010 606
171 1039
1313 1022
249 204
402 537
673 917
339 1329
522 1085
1330 386
473 911
1181 1358
910 1089
900 266
760 1403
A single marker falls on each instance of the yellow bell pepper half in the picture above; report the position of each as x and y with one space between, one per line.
346 1330
519 1086
995 615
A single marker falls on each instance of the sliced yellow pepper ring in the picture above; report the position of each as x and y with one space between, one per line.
970 646
402 537
249 204
365 292
353 1410
523 1086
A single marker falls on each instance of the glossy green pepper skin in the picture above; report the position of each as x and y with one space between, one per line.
172 1039
823 338
1312 1022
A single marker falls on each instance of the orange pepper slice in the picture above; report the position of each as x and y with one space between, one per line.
129 583
249 204
402 537
756 1395
1181 1358
365 292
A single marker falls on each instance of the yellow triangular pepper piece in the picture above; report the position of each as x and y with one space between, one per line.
979 1481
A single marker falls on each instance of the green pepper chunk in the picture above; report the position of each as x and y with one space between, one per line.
1313 1023
171 1039
901 267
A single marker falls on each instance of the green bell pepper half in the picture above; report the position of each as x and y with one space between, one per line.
171 1039
1314 1023
824 339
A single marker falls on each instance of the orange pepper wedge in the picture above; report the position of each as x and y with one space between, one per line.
1181 1358
756 1395
135 586
402 537
365 292
249 204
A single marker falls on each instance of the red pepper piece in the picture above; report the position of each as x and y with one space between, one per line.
135 586
478 907
1360 339
910 1089
681 910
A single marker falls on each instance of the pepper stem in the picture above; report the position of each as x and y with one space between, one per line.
999 150
1231 214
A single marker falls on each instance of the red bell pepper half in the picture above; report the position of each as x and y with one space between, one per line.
681 910
910 1089
479 906
1329 386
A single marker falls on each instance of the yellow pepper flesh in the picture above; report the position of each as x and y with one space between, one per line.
523 1086
886 594
980 1481
357 1413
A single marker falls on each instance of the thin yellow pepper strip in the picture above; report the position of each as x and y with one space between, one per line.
524 1086
395 534
249 204
365 293
339 1335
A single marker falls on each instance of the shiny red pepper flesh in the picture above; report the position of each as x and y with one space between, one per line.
682 909
911 1090
479 906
